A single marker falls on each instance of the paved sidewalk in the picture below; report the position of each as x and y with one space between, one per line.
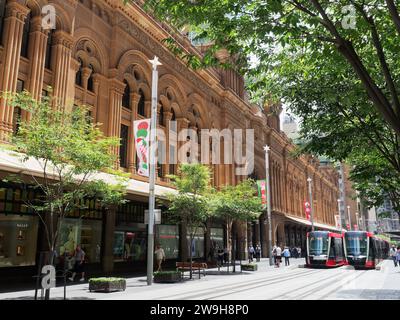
137 288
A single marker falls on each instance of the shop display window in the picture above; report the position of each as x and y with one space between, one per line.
167 236
18 240
130 245
197 246
86 233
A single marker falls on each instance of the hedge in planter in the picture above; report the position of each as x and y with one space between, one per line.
107 284
167 276
249 267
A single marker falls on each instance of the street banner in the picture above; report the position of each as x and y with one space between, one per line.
355 227
307 209
337 221
142 139
348 227
262 191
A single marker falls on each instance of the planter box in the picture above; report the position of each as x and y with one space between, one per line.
107 284
249 267
167 277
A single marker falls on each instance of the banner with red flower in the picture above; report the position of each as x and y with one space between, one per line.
142 143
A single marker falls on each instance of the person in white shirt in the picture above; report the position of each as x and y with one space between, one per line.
160 257
393 255
278 256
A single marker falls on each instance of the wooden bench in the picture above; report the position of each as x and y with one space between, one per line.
185 266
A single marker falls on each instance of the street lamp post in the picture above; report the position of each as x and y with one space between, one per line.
266 149
152 161
340 214
309 180
348 214
358 226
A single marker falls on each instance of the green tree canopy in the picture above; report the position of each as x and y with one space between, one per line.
71 152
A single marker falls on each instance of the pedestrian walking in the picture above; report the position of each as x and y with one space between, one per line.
286 254
274 254
258 252
160 257
393 253
278 256
251 253
226 255
79 266
398 256
299 252
220 257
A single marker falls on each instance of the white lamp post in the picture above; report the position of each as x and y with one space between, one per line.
348 214
266 149
309 180
340 214
153 128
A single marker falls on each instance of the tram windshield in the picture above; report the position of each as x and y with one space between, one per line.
318 244
356 244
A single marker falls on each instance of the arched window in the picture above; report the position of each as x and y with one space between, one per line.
49 50
2 15
126 98
141 105
161 116
90 85
25 36
78 78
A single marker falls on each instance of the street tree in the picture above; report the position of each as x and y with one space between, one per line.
362 34
72 154
190 205
238 203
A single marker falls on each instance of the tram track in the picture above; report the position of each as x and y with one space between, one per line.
249 285
321 286
207 291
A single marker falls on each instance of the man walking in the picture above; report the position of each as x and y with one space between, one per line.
278 256
251 253
258 252
286 254
393 253
79 266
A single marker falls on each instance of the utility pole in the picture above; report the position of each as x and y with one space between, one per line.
266 149
153 128
340 214
348 214
309 180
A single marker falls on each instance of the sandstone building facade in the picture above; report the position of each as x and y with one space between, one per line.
98 55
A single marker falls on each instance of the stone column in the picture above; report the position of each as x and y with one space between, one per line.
13 30
62 45
167 118
108 257
37 57
132 149
116 92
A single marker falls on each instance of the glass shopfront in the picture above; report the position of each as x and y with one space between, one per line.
197 246
217 238
130 236
18 239
167 236
86 233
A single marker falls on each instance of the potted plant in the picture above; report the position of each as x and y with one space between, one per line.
249 267
167 276
107 284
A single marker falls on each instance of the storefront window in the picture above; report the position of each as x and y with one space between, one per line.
197 244
130 244
18 239
87 233
217 238
168 239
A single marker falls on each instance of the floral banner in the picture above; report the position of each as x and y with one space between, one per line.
262 191
142 143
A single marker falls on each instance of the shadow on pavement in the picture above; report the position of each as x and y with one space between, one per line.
370 294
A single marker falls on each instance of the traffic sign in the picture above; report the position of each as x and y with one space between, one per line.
157 216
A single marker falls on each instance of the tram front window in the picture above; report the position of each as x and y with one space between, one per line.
356 244
318 245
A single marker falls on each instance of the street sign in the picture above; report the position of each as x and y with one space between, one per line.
157 216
